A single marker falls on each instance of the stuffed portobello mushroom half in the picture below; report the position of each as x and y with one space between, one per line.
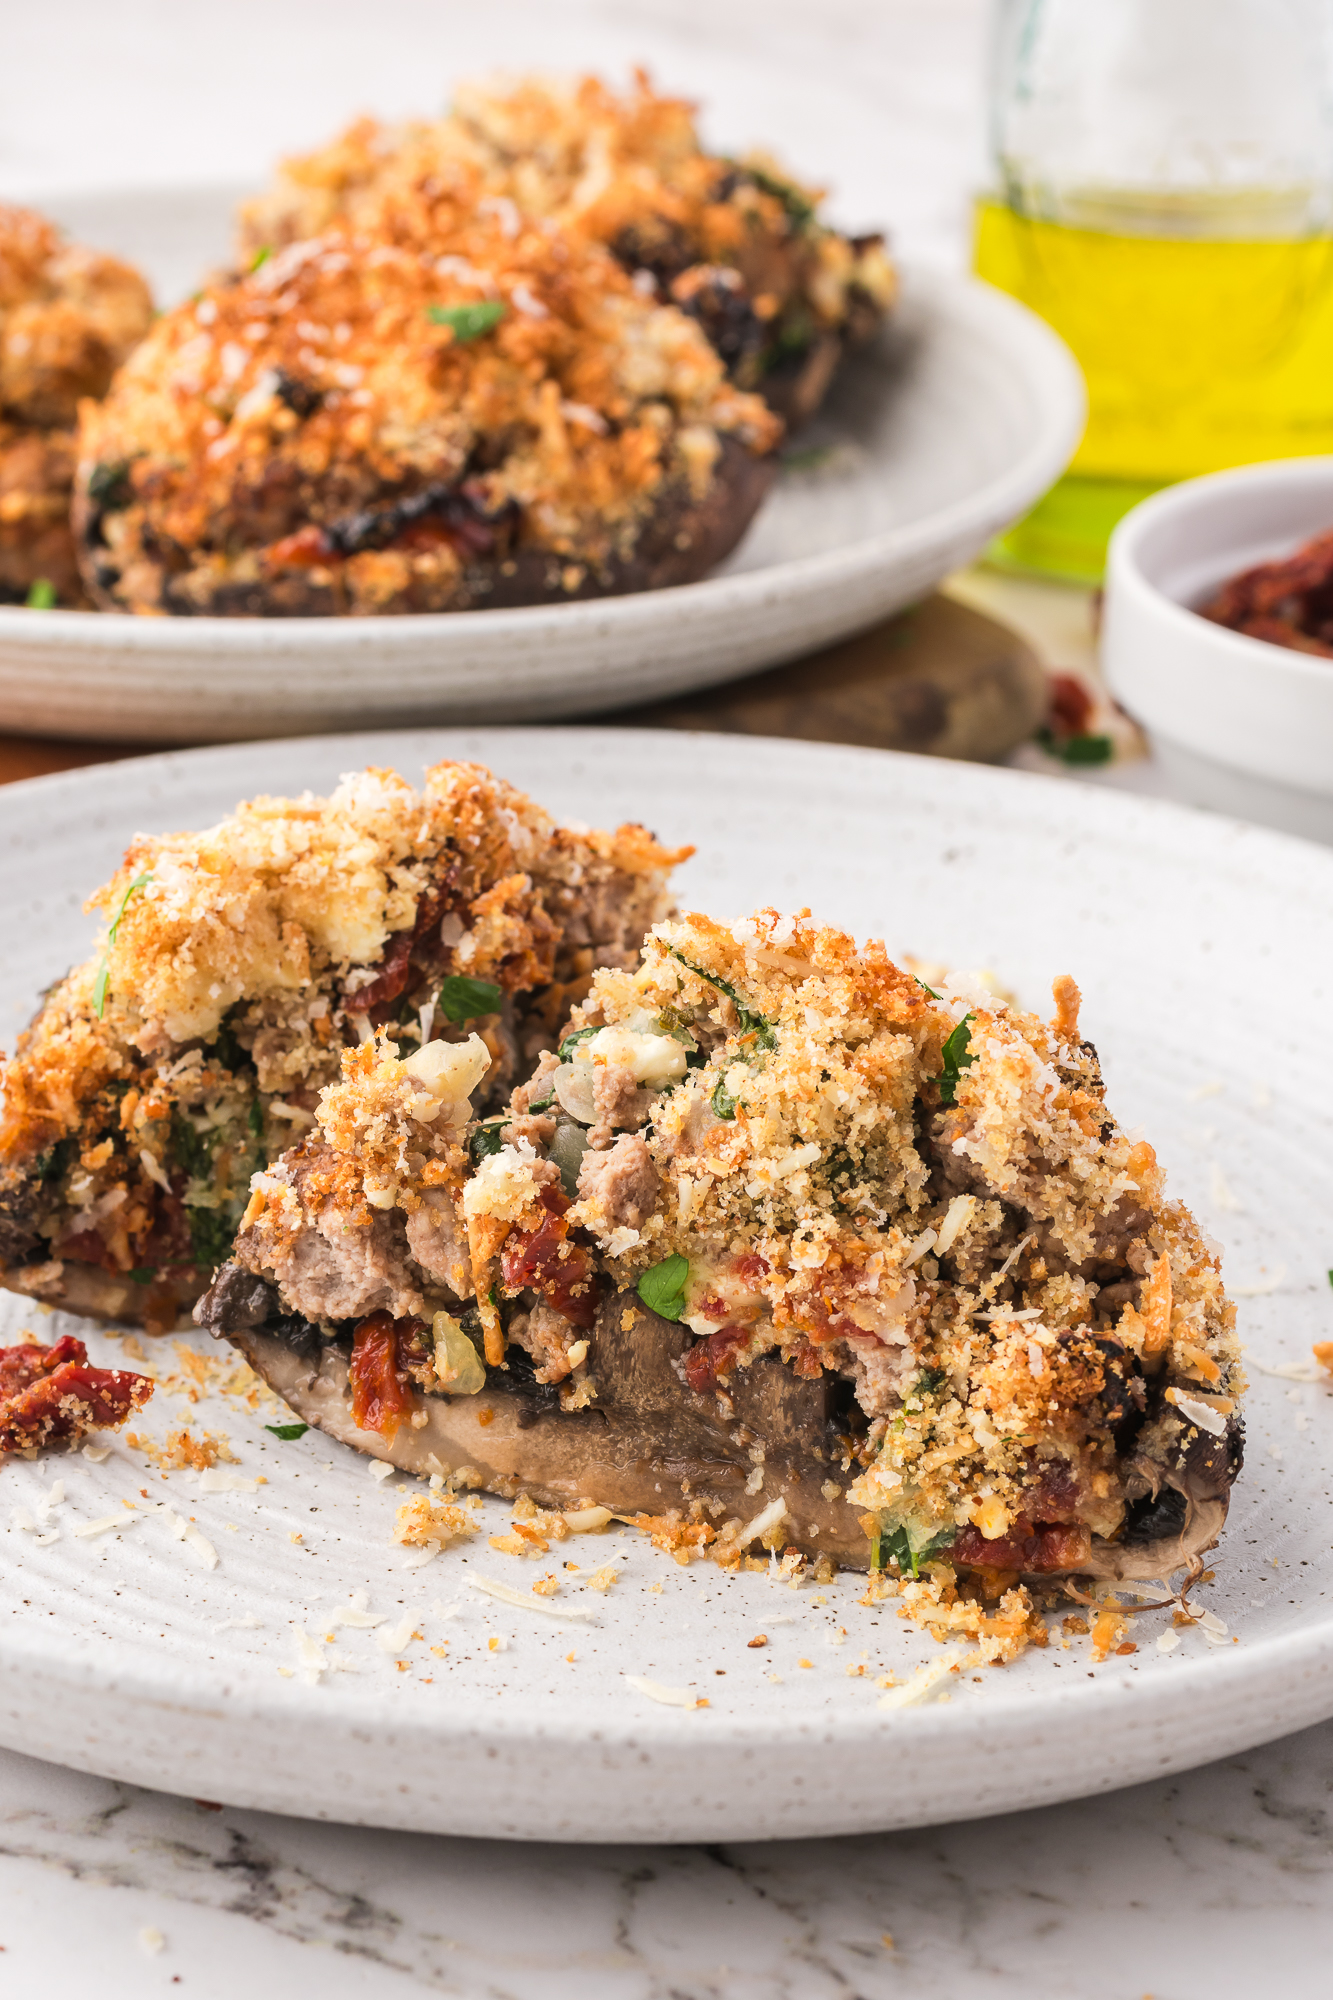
68 318
467 411
777 1236
737 244
235 967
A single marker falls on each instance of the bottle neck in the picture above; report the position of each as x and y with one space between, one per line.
1190 118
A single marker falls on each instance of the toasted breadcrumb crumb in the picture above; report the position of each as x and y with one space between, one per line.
183 1451
421 1523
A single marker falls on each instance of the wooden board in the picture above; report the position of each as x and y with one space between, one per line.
941 679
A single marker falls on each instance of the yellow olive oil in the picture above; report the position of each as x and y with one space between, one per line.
1200 350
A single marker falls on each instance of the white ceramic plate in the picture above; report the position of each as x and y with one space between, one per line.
937 435
1204 981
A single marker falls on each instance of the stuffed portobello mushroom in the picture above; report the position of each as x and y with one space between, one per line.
737 244
68 318
235 967
464 410
778 1243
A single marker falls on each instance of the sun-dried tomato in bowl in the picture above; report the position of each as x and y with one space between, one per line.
1288 603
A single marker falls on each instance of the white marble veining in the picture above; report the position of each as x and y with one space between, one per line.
1196 1888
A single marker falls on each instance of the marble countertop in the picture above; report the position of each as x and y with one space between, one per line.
1193 1888
1207 1885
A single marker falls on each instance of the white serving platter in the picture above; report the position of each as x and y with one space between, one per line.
935 437
1204 975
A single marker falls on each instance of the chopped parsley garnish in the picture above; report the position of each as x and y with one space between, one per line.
662 1286
751 1023
899 1546
467 999
668 1022
542 1103
42 595
109 485
104 969
1079 750
571 1042
212 1231
806 461
470 321
724 1104
227 1047
800 210
51 1166
957 1056
486 1139
930 1381
191 1148
255 1116
261 256
288 1432
142 1277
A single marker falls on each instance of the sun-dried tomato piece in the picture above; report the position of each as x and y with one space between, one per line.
308 548
72 1399
387 986
710 1306
85 1246
820 1323
381 1388
1052 1497
466 538
715 1356
549 1261
165 1245
1047 1546
391 978
1062 1546
21 1365
1288 603
1071 706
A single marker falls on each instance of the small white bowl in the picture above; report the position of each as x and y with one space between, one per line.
1237 724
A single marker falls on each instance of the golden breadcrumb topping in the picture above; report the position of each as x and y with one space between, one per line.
286 892
258 423
625 169
68 317
388 1128
235 966
922 1191
793 1146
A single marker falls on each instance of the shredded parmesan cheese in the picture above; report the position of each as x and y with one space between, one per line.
669 1697
923 1683
506 1595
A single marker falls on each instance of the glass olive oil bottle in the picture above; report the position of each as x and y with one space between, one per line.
1163 197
